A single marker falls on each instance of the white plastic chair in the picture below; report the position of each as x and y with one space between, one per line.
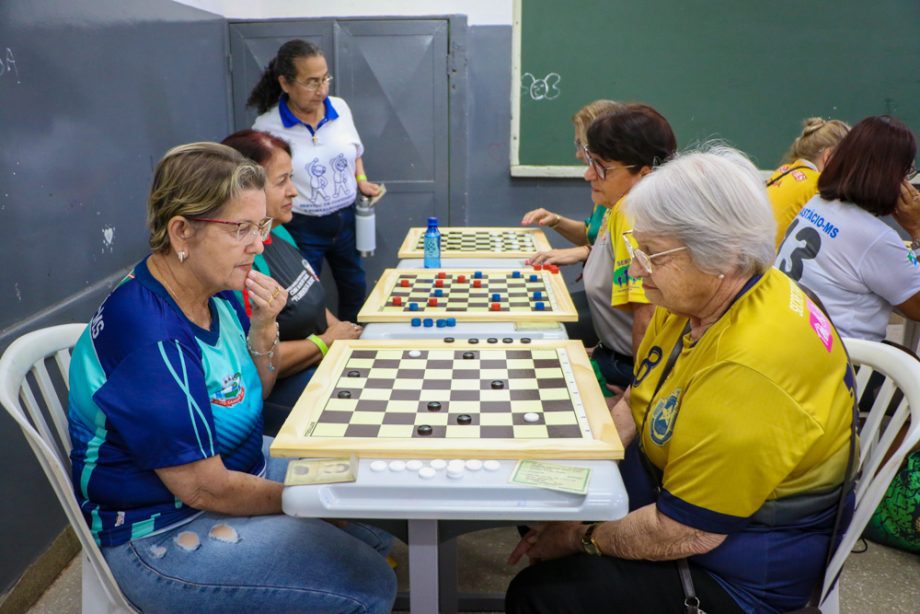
34 353
878 432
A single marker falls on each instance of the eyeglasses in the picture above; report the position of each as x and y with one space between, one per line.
911 173
245 231
645 260
315 83
600 171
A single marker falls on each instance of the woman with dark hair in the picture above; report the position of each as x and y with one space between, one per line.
293 100
307 328
839 248
622 148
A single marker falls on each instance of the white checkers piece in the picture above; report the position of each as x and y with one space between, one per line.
456 463
455 472
438 464
414 465
531 417
414 353
492 465
397 465
379 465
426 473
473 464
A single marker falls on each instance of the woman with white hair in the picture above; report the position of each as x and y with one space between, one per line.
741 411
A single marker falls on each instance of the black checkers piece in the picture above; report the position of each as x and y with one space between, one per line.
473 340
525 339
424 429
497 384
464 419
354 374
492 340
469 355
448 339
433 406
507 340
344 394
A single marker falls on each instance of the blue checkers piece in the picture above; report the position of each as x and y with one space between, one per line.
477 275
427 322
537 294
534 278
451 321
539 306
496 297
516 274
440 322
416 322
438 292
413 306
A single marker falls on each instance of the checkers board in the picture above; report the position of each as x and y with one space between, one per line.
428 399
523 295
478 242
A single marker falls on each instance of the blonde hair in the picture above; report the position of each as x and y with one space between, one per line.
817 135
591 111
195 180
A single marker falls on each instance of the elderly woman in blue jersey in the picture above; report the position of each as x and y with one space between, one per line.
169 463
741 412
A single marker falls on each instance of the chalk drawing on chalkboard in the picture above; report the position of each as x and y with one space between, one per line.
108 237
8 64
546 88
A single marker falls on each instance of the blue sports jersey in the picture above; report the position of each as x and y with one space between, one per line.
150 389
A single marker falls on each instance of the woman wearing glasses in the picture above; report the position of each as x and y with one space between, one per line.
622 148
741 413
293 100
796 181
306 326
169 462
839 248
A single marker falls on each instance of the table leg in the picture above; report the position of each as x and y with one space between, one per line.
423 566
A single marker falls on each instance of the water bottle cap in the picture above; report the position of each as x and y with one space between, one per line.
432 221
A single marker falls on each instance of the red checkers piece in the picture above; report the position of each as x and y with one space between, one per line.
477 283
404 283
442 275
552 268
461 278
439 283
537 267
397 301
433 302
495 307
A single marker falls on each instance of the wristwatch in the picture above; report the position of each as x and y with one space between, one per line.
589 544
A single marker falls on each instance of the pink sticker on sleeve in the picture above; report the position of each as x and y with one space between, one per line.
821 325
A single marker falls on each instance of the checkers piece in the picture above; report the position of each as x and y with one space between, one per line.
433 301
469 355
474 340
416 322
440 323
531 417
537 267
442 275
439 283
413 306
404 283
507 340
516 274
461 278
492 340
464 419
427 322
439 292
497 384
477 274
438 464
537 294
424 429
492 465
414 465
477 283
354 374
525 339
496 297
379 465
426 473
496 307
414 353
539 306
451 321
449 339
397 301
534 277
344 394
434 406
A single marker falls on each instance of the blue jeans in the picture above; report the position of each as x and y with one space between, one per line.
333 237
616 368
219 563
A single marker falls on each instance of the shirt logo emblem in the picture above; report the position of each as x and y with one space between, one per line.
232 392
663 417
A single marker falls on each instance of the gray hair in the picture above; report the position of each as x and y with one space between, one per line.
713 201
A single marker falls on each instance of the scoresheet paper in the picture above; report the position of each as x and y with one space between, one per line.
552 476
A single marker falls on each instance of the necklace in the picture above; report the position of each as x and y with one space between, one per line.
161 277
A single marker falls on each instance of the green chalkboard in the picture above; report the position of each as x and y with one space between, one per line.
743 71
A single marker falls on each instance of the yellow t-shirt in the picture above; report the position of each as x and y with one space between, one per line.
626 289
790 193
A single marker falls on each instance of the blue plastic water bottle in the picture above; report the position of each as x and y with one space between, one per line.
432 245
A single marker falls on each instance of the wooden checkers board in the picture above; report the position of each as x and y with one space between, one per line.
478 242
427 399
498 295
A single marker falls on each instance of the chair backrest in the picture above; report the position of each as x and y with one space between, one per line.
26 387
899 370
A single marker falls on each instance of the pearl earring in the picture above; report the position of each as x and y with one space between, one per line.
721 275
182 256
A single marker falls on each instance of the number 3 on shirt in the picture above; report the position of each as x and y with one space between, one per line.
806 246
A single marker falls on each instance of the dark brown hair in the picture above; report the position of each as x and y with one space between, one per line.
869 165
635 134
256 145
267 91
